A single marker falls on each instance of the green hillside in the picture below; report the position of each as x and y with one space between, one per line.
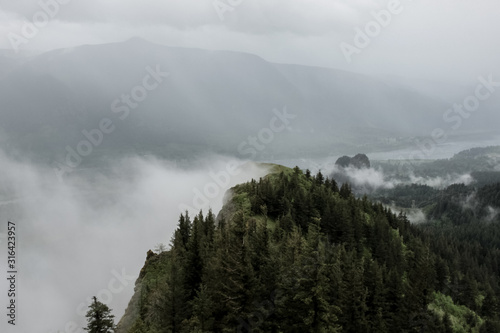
293 252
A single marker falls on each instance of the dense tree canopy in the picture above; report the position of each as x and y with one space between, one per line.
293 252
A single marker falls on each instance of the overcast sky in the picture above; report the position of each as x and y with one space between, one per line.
446 39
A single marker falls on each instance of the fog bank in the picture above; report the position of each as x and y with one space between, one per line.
89 236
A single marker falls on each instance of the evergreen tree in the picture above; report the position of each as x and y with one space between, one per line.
490 306
202 319
345 191
176 297
194 261
490 326
99 318
184 229
319 179
375 300
447 324
353 295
230 276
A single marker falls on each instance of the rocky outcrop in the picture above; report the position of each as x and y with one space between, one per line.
360 161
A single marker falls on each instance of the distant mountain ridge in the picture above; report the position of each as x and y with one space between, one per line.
211 100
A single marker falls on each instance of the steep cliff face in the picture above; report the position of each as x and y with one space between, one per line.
133 311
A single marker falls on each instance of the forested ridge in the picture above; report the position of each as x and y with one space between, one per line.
295 252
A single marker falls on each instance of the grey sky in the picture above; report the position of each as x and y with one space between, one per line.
449 40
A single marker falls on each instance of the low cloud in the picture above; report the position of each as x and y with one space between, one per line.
365 177
493 214
76 236
370 179
416 216
442 182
